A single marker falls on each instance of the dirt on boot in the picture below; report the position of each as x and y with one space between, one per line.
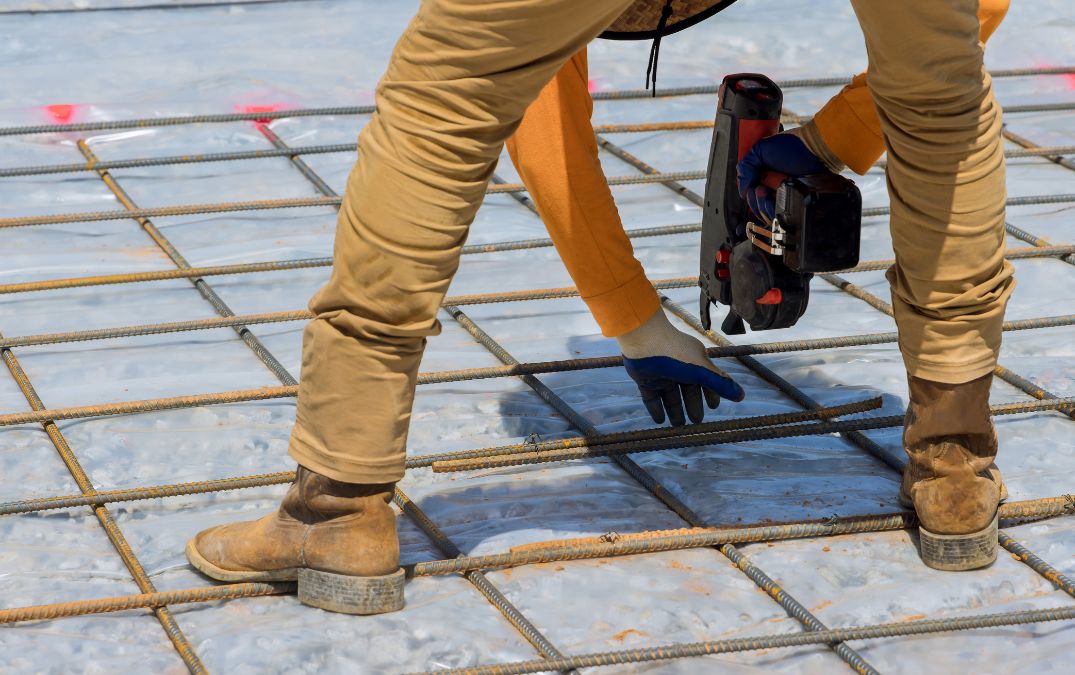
950 477
337 540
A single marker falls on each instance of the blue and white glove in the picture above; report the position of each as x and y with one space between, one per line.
673 372
783 153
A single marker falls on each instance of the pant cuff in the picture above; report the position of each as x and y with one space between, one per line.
346 470
624 308
949 373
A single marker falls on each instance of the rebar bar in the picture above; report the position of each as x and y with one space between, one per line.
153 600
303 263
96 498
305 202
523 456
297 151
266 116
1011 254
785 640
481 373
839 81
652 434
1027 557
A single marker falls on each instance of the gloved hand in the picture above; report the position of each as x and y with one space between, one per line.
783 153
673 371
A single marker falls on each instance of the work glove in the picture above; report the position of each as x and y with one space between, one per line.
673 372
782 153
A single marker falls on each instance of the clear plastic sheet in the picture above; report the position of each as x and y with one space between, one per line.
112 65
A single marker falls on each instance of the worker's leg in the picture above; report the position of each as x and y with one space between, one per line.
846 131
950 283
555 153
457 85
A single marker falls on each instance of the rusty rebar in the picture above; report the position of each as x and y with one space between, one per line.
293 152
306 202
270 115
303 263
104 517
152 600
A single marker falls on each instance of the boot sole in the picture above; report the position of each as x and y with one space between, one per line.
350 594
324 590
958 552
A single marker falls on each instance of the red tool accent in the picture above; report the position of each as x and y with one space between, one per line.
61 113
773 296
773 179
724 256
752 131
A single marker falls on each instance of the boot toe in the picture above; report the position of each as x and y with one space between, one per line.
224 553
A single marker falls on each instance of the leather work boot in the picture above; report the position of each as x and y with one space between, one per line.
950 478
338 540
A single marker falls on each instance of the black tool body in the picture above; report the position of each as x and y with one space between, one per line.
763 270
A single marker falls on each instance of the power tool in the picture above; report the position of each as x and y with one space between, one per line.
762 269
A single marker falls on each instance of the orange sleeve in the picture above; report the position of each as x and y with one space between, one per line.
555 153
848 123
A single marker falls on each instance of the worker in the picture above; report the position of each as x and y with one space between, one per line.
456 89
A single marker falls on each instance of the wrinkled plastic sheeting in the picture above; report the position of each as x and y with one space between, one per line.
331 53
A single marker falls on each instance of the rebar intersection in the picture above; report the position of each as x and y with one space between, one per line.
493 595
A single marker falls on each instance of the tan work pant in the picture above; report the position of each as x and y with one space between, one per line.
459 81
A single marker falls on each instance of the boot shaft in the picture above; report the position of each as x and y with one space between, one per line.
951 443
314 498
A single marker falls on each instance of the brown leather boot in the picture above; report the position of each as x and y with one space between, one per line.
950 478
338 540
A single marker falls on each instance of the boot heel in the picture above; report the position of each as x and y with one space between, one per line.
349 594
956 552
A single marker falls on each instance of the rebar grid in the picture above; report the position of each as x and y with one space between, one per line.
517 369
792 606
104 517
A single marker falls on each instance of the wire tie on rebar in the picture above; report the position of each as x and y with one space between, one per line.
610 537
533 439
832 520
